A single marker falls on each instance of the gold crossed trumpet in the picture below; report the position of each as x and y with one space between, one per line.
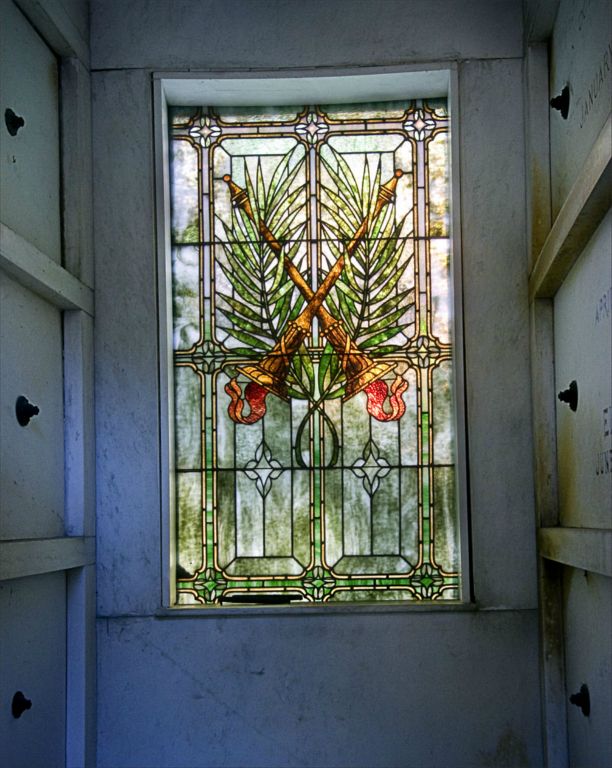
359 369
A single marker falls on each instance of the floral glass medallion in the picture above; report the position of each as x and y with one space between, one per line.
313 355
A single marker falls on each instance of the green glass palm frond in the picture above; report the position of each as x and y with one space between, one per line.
262 298
371 296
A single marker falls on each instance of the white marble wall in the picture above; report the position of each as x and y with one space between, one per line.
448 688
244 34
581 56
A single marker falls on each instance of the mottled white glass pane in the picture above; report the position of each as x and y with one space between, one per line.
255 115
248 439
301 516
371 565
386 436
277 430
380 144
442 311
187 597
299 411
408 423
249 514
439 221
186 296
264 566
223 220
439 107
184 184
365 595
389 110
258 145
226 429
279 517
443 452
410 515
226 518
333 518
355 429
357 532
404 193
189 496
188 418
385 520
180 116
446 533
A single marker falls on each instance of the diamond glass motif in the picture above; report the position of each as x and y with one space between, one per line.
313 128
371 467
205 130
263 469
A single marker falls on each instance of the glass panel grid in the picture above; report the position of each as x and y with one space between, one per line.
312 310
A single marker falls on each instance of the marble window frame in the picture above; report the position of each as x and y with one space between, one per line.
278 87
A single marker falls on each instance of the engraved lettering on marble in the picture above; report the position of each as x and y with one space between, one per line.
603 462
603 307
596 85
603 459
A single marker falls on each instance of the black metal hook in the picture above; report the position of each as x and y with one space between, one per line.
25 410
20 704
582 699
562 102
13 122
570 395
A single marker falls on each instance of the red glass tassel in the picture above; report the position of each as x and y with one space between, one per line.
378 392
255 396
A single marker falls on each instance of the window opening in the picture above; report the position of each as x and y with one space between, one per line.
312 354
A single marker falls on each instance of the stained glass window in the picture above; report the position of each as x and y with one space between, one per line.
313 355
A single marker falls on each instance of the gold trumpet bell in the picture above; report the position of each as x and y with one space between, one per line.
265 378
358 377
